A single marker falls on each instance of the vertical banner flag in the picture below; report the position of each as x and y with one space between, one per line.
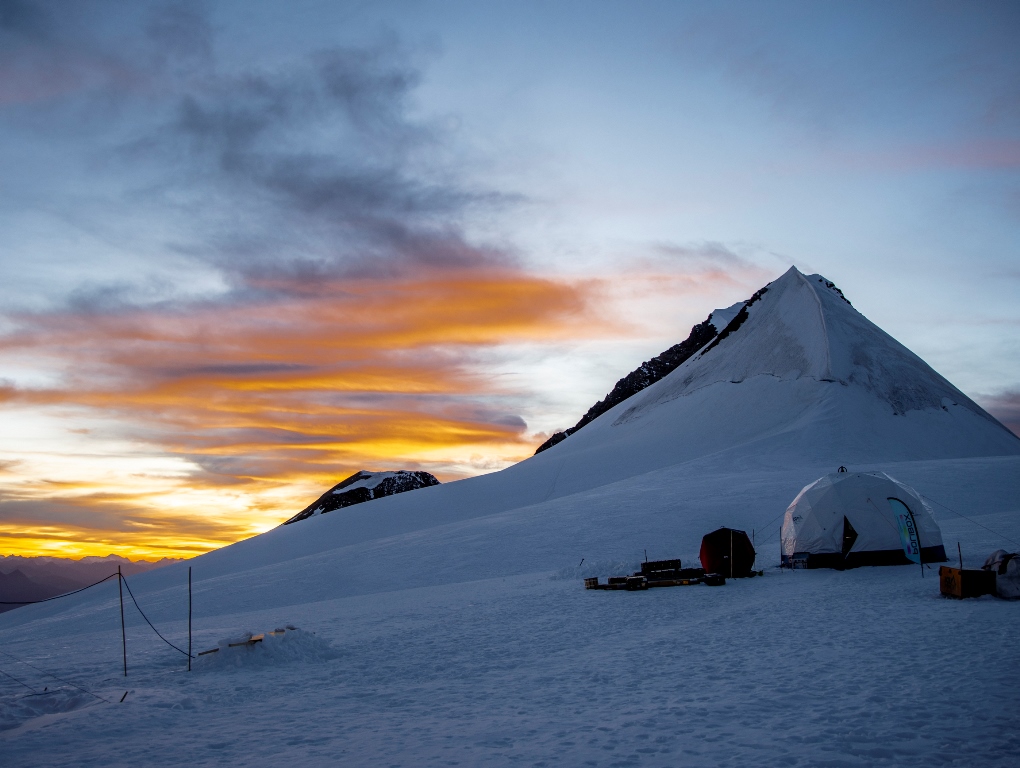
908 530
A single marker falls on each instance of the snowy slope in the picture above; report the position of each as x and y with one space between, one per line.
460 633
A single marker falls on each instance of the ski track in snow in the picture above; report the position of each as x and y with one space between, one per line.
812 668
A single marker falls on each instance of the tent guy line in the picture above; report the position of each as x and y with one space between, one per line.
124 579
43 671
56 597
12 677
975 522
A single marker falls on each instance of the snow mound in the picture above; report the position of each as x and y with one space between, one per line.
292 646
18 710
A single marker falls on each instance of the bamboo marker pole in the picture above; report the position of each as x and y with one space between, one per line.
189 618
123 631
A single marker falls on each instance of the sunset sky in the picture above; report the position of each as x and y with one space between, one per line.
248 249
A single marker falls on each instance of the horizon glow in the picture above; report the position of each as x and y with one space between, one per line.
249 250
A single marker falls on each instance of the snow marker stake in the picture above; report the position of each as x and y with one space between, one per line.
189 618
123 697
960 553
123 631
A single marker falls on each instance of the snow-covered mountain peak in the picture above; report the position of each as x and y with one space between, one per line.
803 327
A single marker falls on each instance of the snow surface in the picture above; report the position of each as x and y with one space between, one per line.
450 626
720 318
369 480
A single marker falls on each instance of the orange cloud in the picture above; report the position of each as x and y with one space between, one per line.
262 402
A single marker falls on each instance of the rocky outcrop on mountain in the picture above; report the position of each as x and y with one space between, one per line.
364 486
645 375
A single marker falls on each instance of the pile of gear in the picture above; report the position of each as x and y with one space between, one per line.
725 553
1006 567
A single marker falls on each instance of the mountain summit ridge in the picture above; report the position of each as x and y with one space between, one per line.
804 327
797 326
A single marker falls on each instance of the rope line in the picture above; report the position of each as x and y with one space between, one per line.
772 535
150 623
67 682
12 677
768 524
994 533
55 597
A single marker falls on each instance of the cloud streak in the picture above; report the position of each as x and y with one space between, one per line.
350 306
296 390
1006 408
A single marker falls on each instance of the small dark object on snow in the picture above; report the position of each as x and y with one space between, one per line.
960 583
728 552
657 573
657 566
635 583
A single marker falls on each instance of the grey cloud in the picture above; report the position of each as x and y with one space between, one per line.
52 52
708 252
877 59
711 256
1004 406
233 369
282 176
180 32
19 18
327 148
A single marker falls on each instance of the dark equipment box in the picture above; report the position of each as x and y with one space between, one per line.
960 583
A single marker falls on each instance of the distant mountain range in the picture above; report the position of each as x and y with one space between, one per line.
37 578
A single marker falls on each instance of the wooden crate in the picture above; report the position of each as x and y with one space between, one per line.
957 582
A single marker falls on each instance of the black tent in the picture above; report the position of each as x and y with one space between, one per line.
727 552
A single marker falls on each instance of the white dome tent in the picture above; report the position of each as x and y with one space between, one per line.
849 519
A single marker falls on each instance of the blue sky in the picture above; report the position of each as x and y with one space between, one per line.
470 216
